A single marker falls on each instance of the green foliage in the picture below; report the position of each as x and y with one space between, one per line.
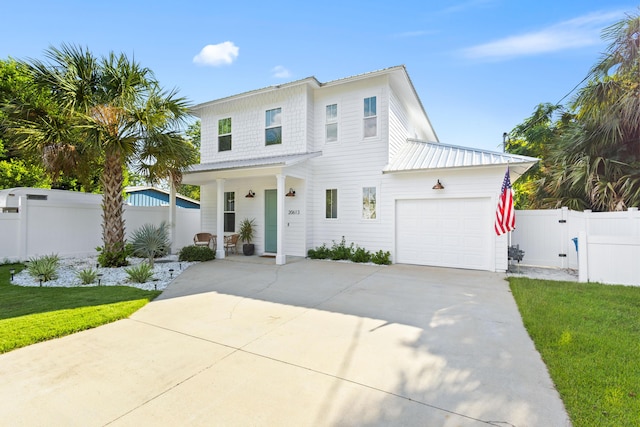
88 276
151 241
381 258
590 153
321 252
361 255
196 253
140 273
115 258
340 251
247 230
45 267
587 335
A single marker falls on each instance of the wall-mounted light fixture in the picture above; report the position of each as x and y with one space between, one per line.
438 186
291 193
250 194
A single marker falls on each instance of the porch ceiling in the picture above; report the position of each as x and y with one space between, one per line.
204 173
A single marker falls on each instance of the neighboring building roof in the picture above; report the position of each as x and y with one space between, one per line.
418 155
146 189
285 160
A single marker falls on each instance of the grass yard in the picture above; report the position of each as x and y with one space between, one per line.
589 337
32 314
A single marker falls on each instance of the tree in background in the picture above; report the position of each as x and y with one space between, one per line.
16 170
109 111
193 135
591 154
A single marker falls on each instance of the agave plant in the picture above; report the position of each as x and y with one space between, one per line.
150 241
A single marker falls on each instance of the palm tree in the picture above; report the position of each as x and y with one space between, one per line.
114 111
597 160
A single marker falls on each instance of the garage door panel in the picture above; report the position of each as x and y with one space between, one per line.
445 232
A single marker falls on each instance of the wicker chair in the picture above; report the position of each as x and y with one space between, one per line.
231 244
205 239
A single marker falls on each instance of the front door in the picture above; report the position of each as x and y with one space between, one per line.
271 221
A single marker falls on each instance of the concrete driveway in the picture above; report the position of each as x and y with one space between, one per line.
311 343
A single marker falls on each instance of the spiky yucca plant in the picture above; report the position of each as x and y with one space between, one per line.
150 241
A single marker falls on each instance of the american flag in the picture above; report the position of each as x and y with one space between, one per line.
505 215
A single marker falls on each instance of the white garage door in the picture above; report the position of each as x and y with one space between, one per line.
445 232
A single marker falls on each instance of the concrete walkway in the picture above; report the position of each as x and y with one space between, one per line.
311 343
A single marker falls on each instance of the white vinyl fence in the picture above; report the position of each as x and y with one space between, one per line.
603 246
75 230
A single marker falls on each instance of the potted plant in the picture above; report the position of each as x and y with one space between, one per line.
246 232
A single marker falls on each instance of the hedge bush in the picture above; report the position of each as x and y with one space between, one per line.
342 251
196 253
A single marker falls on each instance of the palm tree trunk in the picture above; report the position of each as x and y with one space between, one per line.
112 202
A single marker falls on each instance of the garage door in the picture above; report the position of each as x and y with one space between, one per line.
445 232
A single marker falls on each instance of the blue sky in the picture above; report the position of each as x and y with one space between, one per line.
480 67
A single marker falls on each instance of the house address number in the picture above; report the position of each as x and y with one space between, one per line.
294 211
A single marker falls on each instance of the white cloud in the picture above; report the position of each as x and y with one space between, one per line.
217 54
574 33
280 72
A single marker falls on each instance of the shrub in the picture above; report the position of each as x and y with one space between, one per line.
321 252
151 241
381 258
340 251
196 253
140 273
88 276
45 267
361 255
115 258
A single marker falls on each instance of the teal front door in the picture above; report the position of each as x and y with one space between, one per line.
271 221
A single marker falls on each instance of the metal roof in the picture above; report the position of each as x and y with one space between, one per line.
417 155
284 160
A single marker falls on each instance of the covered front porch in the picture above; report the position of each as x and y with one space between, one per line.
271 191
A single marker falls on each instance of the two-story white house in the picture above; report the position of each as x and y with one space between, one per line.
312 162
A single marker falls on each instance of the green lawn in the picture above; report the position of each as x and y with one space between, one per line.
32 314
589 337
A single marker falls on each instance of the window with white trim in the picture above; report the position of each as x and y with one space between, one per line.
224 134
229 211
370 117
331 203
331 126
369 203
273 127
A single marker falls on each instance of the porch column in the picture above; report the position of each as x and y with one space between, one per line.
172 217
220 219
281 258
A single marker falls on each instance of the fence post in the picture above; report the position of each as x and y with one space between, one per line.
22 228
583 258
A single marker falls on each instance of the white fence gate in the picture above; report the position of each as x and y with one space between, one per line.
73 230
603 246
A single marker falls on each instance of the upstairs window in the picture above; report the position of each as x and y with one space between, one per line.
370 117
331 123
273 127
332 203
229 211
224 134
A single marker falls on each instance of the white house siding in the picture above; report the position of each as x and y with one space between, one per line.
349 164
208 216
248 125
398 125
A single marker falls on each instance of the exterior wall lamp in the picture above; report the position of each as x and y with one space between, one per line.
250 194
291 193
438 186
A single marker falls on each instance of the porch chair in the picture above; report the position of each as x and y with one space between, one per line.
205 239
231 243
